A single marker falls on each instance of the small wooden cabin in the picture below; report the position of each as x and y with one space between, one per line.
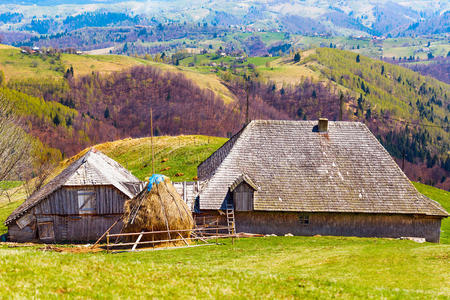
78 205
308 178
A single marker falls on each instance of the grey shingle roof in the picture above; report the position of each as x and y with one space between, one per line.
93 168
299 169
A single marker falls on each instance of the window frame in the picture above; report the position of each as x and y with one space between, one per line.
304 219
87 201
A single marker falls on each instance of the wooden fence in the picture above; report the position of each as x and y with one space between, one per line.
206 228
197 234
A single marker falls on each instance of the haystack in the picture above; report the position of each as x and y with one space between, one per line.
158 207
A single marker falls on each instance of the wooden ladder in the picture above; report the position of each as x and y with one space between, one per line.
230 219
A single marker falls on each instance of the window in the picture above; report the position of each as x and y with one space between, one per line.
86 202
303 219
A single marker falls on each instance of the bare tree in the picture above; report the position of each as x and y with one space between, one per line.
15 146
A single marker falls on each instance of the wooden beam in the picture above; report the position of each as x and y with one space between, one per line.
137 242
106 232
183 239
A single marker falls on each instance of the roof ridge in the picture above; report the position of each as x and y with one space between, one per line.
262 121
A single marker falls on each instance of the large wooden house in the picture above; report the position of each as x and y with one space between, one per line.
308 178
79 204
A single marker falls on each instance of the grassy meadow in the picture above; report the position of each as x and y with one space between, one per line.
443 197
175 156
274 267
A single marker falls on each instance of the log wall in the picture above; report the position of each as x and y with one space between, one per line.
338 224
64 201
62 211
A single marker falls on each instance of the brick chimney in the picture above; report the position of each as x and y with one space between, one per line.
323 125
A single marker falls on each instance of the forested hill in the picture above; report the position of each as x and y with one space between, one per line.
205 94
408 112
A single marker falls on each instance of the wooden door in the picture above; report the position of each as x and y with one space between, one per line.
243 198
46 231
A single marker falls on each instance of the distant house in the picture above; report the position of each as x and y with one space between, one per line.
79 204
309 178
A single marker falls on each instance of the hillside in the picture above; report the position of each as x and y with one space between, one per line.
205 94
175 156
18 66
52 20
443 197
22 69
408 112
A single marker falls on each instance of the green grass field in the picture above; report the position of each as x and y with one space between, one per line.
183 153
443 197
275 267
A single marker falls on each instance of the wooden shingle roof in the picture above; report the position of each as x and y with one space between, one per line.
298 168
93 168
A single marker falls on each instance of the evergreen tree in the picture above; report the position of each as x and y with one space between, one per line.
360 102
297 57
56 120
368 114
357 58
68 121
382 70
106 113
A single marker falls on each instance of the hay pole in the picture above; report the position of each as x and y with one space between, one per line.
151 140
137 210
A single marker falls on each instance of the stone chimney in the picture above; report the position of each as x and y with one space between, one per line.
323 125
